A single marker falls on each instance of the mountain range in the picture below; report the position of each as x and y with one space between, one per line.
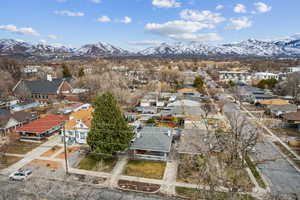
281 48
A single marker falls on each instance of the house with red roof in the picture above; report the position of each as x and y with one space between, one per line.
42 127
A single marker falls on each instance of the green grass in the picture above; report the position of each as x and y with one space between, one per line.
145 169
255 173
196 194
97 163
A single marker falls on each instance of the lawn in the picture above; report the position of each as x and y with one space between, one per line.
8 161
19 147
196 194
145 169
97 163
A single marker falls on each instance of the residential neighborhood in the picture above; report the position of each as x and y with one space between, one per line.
169 141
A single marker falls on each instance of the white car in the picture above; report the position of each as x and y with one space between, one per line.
20 175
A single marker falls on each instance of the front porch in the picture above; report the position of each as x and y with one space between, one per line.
149 155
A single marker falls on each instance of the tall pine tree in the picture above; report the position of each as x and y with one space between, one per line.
109 131
65 71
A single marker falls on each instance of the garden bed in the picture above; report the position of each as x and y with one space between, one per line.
145 169
138 186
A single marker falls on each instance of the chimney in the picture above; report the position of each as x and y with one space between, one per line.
49 77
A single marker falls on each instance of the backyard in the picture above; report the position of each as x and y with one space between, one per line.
145 169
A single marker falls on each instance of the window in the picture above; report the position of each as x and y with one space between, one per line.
82 136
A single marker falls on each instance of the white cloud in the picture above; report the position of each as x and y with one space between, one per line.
205 16
262 7
182 30
166 3
96 1
126 20
239 23
23 31
104 18
219 7
176 27
53 37
240 8
145 42
69 13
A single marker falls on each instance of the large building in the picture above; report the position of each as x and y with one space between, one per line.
44 91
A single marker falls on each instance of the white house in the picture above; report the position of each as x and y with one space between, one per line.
225 76
78 126
265 75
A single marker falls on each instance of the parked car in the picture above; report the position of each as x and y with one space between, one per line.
20 175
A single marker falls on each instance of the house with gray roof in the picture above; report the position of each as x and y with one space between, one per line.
278 110
47 90
11 121
152 143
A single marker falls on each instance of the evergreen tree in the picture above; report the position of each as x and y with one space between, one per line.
198 83
109 132
81 72
66 72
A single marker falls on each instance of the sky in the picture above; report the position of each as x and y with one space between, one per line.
137 24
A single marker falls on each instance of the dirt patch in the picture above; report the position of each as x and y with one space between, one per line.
70 150
52 151
138 186
46 163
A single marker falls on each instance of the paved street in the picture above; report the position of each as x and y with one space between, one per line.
56 190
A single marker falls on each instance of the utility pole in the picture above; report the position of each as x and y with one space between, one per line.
65 149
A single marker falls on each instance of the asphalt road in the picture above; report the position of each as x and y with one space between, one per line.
37 189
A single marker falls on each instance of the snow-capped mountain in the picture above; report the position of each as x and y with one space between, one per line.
101 49
10 47
249 48
278 48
